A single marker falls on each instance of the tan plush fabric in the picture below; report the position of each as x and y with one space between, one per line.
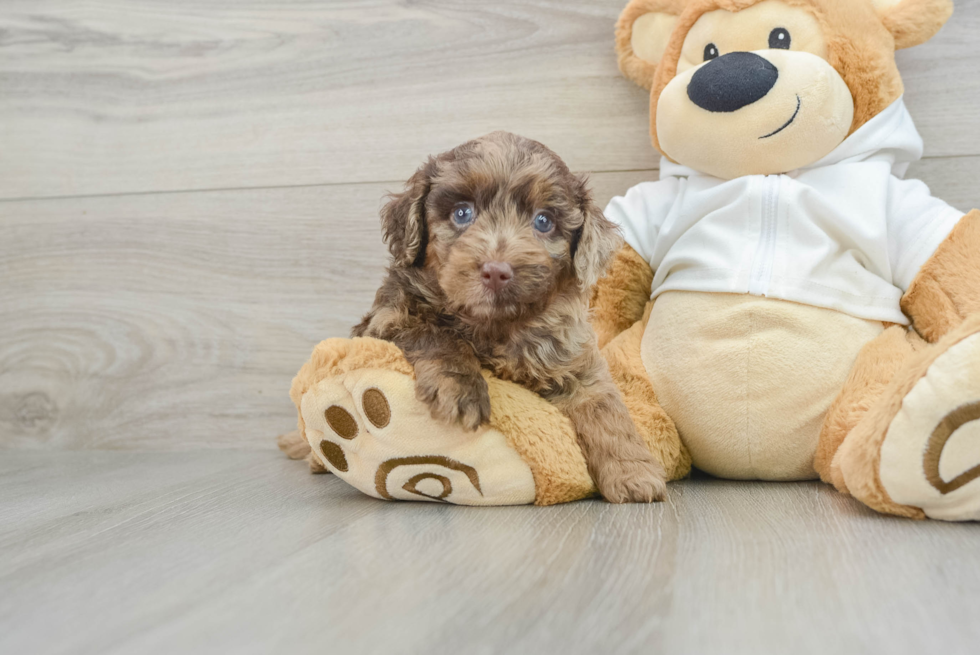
805 79
947 288
913 22
877 365
902 388
641 71
528 453
756 388
295 446
748 380
861 46
402 453
930 457
545 440
619 298
856 467
658 429
338 356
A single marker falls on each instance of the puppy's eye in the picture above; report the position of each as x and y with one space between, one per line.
779 38
543 223
463 213
710 52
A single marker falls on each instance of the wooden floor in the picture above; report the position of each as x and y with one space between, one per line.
244 552
188 203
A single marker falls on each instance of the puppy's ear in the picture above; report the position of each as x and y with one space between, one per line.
913 22
403 223
642 33
595 242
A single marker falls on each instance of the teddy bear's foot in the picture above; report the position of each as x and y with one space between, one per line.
295 445
929 456
368 428
359 413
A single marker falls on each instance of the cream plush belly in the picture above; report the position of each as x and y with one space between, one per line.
748 380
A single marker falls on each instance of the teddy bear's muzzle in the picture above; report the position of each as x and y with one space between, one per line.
732 81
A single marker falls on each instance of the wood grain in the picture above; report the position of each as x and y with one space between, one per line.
188 203
104 99
121 97
106 552
174 321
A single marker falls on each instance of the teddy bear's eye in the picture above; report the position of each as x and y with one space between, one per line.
779 38
710 52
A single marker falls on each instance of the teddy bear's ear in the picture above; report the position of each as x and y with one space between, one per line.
913 22
642 33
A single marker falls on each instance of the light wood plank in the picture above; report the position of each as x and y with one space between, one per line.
110 98
117 96
245 552
942 86
953 179
175 321
178 320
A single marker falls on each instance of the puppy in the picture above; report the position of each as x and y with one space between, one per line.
495 246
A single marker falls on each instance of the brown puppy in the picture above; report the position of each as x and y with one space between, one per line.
495 246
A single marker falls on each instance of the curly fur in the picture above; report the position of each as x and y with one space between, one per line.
534 330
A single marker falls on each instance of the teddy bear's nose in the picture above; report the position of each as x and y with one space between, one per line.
732 81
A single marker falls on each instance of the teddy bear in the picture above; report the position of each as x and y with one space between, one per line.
786 305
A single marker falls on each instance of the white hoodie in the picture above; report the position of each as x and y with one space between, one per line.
845 233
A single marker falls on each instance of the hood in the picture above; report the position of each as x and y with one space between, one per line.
888 137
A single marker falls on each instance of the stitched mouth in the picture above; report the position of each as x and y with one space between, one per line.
789 122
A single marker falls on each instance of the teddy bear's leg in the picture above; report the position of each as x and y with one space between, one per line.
904 436
916 451
358 412
652 422
295 446
877 365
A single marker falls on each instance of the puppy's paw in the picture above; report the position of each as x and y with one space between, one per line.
631 481
452 397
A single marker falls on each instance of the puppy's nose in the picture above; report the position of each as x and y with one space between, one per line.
496 275
732 81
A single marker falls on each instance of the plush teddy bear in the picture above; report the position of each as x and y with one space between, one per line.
787 306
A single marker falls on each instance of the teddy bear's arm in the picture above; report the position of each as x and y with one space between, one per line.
946 289
619 298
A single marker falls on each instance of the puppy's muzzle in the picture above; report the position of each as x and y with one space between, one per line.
496 275
732 81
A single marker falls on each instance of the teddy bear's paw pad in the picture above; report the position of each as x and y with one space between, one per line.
341 422
376 408
930 457
369 429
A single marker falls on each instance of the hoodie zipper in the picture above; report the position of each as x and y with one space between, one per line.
766 250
